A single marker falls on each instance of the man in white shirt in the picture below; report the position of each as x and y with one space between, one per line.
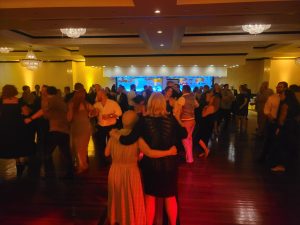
270 110
260 101
272 104
108 111
226 103
184 110
131 95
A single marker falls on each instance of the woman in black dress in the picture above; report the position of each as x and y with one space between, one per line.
170 101
160 130
241 109
15 135
286 131
206 123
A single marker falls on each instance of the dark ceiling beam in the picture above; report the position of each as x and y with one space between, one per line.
145 9
137 23
170 38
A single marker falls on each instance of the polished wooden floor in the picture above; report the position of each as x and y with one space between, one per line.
227 188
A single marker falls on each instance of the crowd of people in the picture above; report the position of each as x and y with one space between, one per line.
139 131
278 116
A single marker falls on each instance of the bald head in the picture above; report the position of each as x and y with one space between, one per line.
101 95
129 118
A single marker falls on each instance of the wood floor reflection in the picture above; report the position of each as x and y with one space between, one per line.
227 188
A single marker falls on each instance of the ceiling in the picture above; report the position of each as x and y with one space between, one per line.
128 28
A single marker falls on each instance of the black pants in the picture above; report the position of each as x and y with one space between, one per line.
270 139
226 114
101 138
62 140
41 128
285 146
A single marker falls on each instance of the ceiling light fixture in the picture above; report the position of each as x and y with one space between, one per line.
5 49
159 31
73 32
297 60
157 11
30 61
256 28
161 45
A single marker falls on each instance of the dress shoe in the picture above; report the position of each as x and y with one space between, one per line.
278 168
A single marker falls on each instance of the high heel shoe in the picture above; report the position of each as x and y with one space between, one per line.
204 154
278 168
206 151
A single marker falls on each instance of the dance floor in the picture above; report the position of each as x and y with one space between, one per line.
227 188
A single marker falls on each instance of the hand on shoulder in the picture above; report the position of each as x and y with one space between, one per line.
115 133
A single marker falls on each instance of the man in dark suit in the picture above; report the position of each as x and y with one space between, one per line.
122 98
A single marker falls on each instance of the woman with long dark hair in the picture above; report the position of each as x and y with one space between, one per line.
170 101
286 131
16 139
206 123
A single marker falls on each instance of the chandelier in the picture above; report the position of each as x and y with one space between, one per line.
256 28
30 61
297 60
5 49
73 32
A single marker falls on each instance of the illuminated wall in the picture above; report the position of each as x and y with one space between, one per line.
88 75
61 74
55 74
284 70
252 73
58 74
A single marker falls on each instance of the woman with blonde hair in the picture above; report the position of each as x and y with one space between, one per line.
78 115
160 130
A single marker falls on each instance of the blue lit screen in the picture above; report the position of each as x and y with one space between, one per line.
157 82
196 81
140 82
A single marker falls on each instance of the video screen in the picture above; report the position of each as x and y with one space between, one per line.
140 82
196 81
157 82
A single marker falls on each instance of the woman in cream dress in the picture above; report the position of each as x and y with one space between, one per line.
125 192
78 115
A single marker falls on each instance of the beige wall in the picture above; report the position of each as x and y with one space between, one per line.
58 74
284 70
61 74
254 72
251 73
49 73
90 75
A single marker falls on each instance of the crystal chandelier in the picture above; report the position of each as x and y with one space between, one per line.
73 32
256 28
30 61
5 49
